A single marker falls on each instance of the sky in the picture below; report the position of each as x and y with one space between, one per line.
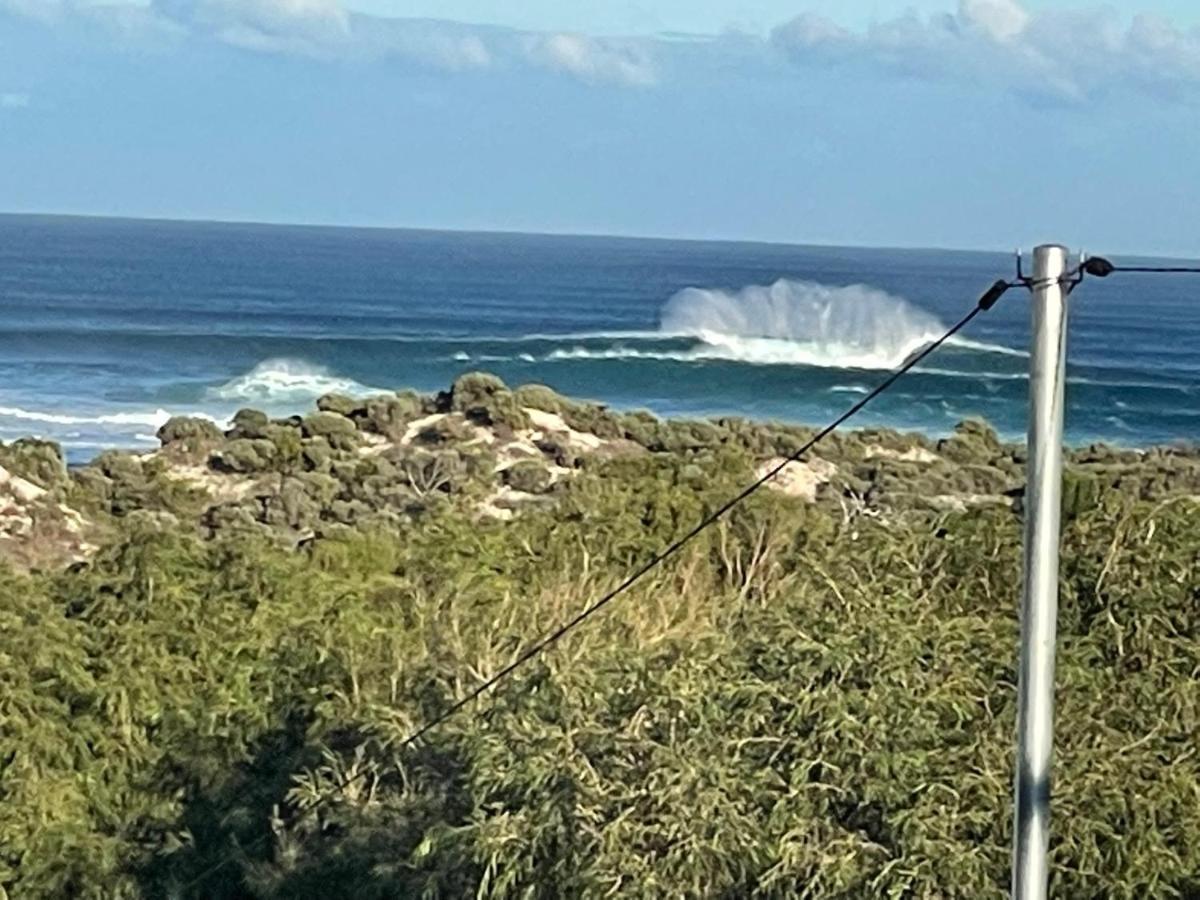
975 124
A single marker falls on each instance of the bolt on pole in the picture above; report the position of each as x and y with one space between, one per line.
1039 603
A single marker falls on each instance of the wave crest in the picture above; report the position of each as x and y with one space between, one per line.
287 381
155 419
803 323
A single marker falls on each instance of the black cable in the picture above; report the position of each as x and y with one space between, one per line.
1162 270
986 302
1102 268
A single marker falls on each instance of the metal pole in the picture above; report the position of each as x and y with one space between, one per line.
1039 604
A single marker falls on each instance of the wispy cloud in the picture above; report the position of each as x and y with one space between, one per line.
999 45
591 59
316 27
326 29
1062 55
14 101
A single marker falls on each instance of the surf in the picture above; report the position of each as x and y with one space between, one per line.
287 381
806 323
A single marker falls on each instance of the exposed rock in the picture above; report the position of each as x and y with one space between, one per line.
799 479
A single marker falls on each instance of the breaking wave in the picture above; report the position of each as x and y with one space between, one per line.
803 323
806 323
280 380
155 419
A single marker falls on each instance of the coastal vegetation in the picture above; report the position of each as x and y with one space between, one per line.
211 657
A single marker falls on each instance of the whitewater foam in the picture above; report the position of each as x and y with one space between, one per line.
803 323
279 381
155 419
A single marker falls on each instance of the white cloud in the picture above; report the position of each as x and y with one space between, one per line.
1069 56
287 26
593 59
999 20
14 101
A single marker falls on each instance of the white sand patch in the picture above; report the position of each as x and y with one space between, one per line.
221 487
20 489
798 479
548 424
916 455
417 426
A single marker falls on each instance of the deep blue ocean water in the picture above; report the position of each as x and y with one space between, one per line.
109 326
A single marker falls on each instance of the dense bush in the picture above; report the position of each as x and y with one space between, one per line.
38 461
811 700
528 476
795 706
190 437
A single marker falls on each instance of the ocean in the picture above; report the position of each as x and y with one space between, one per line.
108 327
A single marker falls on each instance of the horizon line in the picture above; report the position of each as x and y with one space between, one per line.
549 233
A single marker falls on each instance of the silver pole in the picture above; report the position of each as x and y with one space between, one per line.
1039 604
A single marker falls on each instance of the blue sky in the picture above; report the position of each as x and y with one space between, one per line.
964 123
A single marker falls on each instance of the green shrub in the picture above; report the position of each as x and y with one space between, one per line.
340 404
593 419
249 424
538 396
337 429
448 431
475 389
485 399
800 702
246 456
389 415
35 460
559 450
973 441
529 477
190 435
